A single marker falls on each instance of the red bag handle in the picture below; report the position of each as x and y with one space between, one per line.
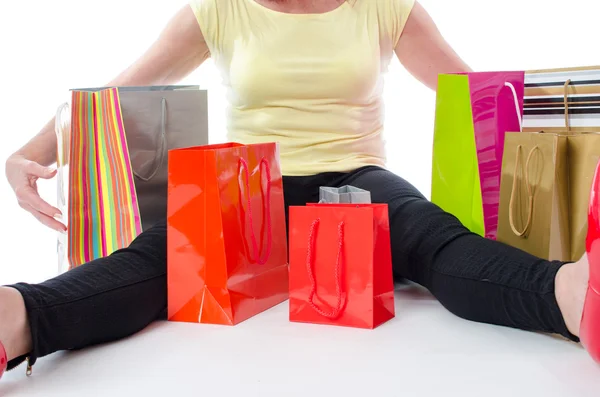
266 206
336 311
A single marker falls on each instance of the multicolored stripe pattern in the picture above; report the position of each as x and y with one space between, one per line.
544 103
103 206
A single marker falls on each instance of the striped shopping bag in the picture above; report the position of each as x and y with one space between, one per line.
557 100
100 198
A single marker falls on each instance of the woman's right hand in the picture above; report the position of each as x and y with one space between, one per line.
179 50
22 175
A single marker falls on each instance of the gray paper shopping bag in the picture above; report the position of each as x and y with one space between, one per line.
156 120
344 195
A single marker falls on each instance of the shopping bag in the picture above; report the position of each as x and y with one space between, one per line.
97 188
226 233
62 128
534 201
473 112
547 91
344 194
584 155
340 265
157 119
567 102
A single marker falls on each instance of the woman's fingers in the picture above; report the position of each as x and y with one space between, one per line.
28 196
44 219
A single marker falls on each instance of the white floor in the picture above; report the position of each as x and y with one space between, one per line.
424 351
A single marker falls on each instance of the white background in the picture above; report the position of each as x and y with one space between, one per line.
47 47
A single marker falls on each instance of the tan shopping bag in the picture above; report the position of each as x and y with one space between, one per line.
584 154
533 213
567 102
557 99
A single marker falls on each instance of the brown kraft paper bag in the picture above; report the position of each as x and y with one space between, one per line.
533 214
566 102
584 154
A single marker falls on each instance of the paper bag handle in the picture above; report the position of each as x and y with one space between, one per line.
517 107
159 157
523 232
340 306
566 101
264 163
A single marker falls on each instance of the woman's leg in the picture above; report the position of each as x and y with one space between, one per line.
473 277
101 301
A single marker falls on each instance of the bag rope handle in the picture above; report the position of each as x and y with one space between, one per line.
159 157
523 232
566 102
264 164
336 311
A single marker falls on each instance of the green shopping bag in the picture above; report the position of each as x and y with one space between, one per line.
473 113
455 183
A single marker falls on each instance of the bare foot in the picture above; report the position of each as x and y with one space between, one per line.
15 334
570 288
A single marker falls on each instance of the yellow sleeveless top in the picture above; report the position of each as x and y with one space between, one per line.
312 82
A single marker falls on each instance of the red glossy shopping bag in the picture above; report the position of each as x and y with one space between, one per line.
341 265
226 237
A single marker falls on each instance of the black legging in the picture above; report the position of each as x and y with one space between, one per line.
475 278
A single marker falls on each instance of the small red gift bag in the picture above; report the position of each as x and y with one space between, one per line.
341 265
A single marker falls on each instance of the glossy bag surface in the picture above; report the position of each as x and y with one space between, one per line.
226 233
590 326
340 265
473 113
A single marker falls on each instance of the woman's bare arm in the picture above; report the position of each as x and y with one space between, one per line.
424 52
179 50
